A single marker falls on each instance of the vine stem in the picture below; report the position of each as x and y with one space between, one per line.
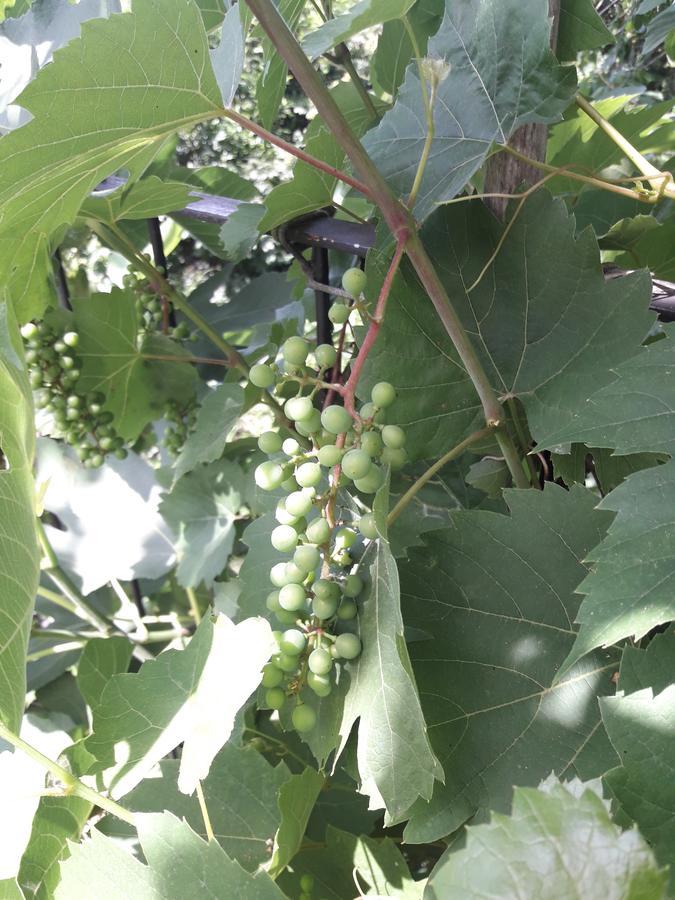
398 218
208 827
73 785
417 486
344 57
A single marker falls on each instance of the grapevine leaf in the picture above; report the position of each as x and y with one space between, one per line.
202 509
658 29
241 796
178 697
297 797
177 858
629 590
580 28
394 47
652 667
9 888
138 78
100 660
271 84
136 380
212 12
609 470
362 15
381 869
227 58
395 760
558 326
496 595
239 234
216 418
559 841
641 726
131 540
20 558
142 200
652 247
481 102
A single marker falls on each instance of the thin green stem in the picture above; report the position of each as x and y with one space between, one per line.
426 150
57 600
194 605
417 486
345 59
208 827
522 440
72 784
66 647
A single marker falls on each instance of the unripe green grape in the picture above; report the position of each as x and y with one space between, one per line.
291 447
324 609
345 538
35 378
270 442
293 642
356 464
29 331
371 482
295 350
326 590
298 503
269 475
287 662
320 661
261 376
96 461
105 418
330 455
292 597
294 574
393 436
319 684
59 347
71 339
307 883
275 698
278 575
283 516
371 442
353 586
348 645
325 355
307 557
394 458
121 453
308 474
370 411
367 526
318 531
383 394
72 415
336 419
338 313
347 610
69 378
290 485
32 356
272 676
74 401
284 538
95 408
310 425
67 362
334 652
42 399
303 718
298 408
354 281
272 601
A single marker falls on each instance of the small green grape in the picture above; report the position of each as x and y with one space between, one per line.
295 351
261 375
293 642
348 645
270 442
324 609
393 436
272 676
269 475
287 662
367 526
325 355
320 684
370 411
308 474
394 458
345 538
278 575
275 698
307 557
336 419
283 516
318 531
272 601
353 586
284 538
303 718
298 503
307 883
356 464
326 590
298 408
330 455
320 661
354 281
371 482
294 574
383 394
291 447
292 597
29 331
286 618
371 442
338 313
347 610
310 425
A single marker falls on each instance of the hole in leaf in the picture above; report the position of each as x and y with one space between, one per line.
4 462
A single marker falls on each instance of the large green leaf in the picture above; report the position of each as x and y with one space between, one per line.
296 802
178 860
630 589
641 727
107 101
480 103
653 248
216 418
496 595
362 15
559 841
547 326
580 28
178 698
19 556
395 760
136 378
376 866
142 200
100 660
271 83
394 47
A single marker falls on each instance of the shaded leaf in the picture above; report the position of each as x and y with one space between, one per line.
559 841
580 28
394 47
652 667
271 83
216 418
239 234
100 660
228 57
658 29
146 198
363 14
496 596
297 797
609 470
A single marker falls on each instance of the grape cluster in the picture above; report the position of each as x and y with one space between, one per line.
182 419
149 308
54 373
316 590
